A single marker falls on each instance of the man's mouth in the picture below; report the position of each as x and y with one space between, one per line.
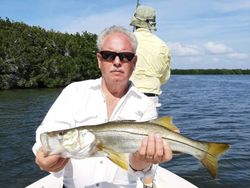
117 70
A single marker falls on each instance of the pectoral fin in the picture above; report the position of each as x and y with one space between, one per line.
118 158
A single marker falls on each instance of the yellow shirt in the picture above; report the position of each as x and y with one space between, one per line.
153 62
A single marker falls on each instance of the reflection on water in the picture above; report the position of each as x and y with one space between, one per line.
212 108
21 111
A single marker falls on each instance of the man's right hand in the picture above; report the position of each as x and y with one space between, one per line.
50 163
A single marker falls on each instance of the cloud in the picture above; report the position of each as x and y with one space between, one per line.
214 50
179 49
215 59
239 56
95 23
217 48
232 6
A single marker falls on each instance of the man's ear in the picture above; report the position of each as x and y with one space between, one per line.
134 61
99 60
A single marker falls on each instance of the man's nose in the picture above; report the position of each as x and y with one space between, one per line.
117 61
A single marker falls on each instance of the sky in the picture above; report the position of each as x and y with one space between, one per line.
200 34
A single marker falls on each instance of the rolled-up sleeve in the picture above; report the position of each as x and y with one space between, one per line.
58 117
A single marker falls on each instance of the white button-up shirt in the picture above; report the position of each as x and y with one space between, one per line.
83 103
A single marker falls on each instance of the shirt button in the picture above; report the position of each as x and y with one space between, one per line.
97 185
101 162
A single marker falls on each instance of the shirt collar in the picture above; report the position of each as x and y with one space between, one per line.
132 89
143 29
97 84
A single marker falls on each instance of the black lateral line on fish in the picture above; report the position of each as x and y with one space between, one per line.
123 131
189 146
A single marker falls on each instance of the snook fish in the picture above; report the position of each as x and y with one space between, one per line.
116 138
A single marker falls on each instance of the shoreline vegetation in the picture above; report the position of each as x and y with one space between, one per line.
32 57
210 71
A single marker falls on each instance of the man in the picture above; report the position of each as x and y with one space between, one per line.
153 64
111 97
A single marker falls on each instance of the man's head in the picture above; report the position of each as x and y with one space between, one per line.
116 56
144 17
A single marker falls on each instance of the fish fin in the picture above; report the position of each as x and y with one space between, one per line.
177 153
210 161
118 158
166 121
99 154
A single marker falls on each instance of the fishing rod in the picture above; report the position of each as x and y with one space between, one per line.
137 3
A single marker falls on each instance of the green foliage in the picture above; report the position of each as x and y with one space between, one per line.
33 57
210 71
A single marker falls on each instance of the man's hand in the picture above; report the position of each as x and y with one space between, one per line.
52 163
153 150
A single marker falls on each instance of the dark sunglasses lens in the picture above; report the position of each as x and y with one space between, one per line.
123 56
109 56
126 56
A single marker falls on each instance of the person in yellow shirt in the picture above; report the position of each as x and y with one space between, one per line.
153 64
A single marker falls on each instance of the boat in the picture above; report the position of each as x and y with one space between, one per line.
163 178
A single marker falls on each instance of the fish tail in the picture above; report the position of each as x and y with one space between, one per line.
210 160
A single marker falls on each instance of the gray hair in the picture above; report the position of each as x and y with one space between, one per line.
116 29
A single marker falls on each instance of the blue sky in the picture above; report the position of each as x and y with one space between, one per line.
200 34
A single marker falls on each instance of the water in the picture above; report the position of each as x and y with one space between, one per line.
212 108
20 113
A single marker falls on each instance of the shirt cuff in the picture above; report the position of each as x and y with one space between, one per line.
150 171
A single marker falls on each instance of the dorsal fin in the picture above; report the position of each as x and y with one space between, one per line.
166 121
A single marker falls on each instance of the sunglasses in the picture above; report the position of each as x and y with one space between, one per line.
123 56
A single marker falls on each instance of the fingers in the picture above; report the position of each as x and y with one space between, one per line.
168 154
143 149
52 163
59 165
158 150
153 150
150 146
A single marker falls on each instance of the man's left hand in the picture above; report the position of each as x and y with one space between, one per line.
153 150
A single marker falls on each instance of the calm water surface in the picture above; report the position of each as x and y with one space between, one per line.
211 108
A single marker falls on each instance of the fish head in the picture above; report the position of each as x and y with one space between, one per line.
71 143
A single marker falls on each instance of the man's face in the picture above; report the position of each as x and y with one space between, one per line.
116 70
